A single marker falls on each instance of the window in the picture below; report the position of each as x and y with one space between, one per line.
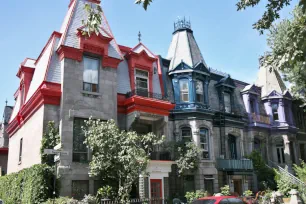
209 184
204 143
227 102
275 111
91 74
80 189
280 154
142 86
232 146
20 150
199 91
302 152
252 106
186 134
184 90
80 152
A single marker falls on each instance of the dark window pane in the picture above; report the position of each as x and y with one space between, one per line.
208 201
80 152
209 184
79 189
86 87
223 201
94 87
189 183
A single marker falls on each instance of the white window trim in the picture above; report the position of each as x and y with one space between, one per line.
143 77
99 66
180 81
207 142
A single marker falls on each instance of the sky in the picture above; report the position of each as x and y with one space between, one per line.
224 35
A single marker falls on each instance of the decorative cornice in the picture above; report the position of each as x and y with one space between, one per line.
47 93
70 53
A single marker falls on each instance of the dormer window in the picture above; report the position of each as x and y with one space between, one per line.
227 102
142 82
199 91
184 90
275 111
91 74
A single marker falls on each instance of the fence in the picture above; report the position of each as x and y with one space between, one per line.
139 201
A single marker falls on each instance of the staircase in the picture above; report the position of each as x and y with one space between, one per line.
293 178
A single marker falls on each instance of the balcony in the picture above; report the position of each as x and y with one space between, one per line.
255 118
146 94
234 165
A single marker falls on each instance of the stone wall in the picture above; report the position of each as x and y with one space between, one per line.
79 104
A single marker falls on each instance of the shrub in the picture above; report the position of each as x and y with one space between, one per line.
225 190
31 185
284 183
191 196
247 193
61 200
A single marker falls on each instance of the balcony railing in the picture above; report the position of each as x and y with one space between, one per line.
147 94
260 118
165 156
235 164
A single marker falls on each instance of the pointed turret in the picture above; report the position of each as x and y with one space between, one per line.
269 80
183 47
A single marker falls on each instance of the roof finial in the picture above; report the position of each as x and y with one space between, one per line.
139 36
6 102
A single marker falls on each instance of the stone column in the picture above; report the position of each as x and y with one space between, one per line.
287 152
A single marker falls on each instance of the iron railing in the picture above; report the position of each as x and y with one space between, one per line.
139 201
146 94
235 164
260 118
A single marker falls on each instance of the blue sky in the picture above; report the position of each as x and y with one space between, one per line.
225 36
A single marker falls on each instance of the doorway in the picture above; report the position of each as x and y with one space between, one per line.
156 188
238 186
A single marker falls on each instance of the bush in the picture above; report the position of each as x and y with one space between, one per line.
61 200
284 183
31 185
248 193
191 196
225 190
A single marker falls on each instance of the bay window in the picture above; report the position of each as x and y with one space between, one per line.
184 90
199 91
91 74
142 83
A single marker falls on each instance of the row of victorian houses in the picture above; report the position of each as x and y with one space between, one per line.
178 95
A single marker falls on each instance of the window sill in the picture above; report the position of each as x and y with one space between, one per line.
91 94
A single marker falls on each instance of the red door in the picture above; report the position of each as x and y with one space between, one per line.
156 188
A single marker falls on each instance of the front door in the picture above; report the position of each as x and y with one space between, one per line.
238 186
156 188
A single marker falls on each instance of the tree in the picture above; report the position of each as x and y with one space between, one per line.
288 50
264 174
49 140
118 155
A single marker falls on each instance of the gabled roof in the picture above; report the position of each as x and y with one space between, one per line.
226 81
140 48
251 88
184 48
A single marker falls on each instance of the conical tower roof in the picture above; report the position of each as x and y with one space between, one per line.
184 46
269 80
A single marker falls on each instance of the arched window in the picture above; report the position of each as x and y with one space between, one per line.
184 90
204 143
199 91
186 134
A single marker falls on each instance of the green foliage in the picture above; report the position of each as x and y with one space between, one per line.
118 155
50 139
144 3
284 184
62 200
264 174
191 196
248 193
186 155
301 174
288 50
225 190
94 19
31 185
105 192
